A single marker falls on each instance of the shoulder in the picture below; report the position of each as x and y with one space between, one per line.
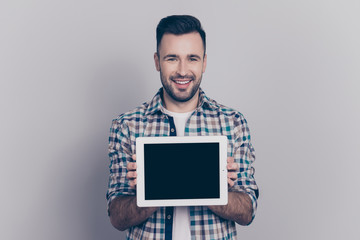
141 112
135 115
234 121
227 112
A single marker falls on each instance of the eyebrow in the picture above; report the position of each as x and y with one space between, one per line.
176 56
194 56
170 56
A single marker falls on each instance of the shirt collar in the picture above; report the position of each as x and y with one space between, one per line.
156 104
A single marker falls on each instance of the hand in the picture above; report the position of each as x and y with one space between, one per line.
232 168
131 175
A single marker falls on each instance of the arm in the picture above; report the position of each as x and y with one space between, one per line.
122 208
124 212
238 209
243 191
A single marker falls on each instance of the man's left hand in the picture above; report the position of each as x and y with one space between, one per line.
233 169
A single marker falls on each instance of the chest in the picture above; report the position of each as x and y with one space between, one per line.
198 124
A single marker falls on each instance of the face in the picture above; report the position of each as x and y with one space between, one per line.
181 63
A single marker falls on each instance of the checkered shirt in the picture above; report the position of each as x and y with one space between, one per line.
210 118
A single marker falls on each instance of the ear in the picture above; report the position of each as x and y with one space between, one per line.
204 63
157 61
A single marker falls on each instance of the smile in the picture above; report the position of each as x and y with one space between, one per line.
182 82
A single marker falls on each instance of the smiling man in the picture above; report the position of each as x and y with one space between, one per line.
181 108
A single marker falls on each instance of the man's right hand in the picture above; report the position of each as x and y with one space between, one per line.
131 174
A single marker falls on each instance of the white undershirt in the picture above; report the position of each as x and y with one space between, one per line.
181 218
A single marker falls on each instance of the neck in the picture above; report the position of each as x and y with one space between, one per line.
180 107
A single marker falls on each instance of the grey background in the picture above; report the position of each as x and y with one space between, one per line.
68 67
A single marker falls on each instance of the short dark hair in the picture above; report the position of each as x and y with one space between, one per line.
178 25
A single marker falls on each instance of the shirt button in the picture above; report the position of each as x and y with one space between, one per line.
169 216
172 130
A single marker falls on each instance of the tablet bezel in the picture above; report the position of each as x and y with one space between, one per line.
140 188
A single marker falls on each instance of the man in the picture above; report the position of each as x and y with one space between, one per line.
181 108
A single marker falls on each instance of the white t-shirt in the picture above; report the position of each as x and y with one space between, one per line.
181 217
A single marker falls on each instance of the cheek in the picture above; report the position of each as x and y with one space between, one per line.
168 70
198 71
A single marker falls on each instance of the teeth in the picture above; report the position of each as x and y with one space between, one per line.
182 82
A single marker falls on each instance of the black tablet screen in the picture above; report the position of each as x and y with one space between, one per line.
181 171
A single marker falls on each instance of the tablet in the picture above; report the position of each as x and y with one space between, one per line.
181 171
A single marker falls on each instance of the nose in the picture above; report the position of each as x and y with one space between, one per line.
182 68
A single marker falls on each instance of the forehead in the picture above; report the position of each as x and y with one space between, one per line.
189 43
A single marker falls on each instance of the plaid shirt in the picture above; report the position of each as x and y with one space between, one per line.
210 118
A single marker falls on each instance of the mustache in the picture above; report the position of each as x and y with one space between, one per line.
179 77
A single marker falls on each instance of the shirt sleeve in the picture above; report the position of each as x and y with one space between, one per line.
120 154
244 154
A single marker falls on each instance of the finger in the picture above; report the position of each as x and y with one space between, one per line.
134 157
233 166
230 159
232 175
230 182
131 175
131 166
133 183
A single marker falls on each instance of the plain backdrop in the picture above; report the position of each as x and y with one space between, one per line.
67 68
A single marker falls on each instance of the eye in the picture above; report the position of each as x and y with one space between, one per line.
171 59
193 59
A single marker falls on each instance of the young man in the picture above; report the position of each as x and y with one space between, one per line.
181 108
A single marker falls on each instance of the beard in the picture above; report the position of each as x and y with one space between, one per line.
184 95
